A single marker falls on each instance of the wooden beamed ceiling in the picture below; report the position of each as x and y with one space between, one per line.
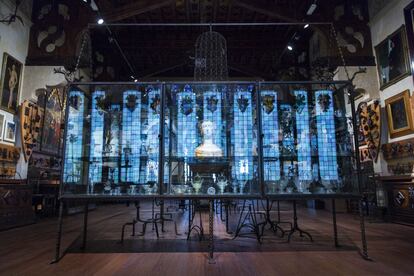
251 50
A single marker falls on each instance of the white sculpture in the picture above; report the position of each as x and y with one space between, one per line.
208 148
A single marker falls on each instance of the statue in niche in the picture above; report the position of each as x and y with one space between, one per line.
208 148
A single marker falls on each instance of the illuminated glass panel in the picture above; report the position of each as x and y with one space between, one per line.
328 166
112 143
74 139
187 123
303 136
286 124
270 131
131 136
97 137
243 135
153 130
212 112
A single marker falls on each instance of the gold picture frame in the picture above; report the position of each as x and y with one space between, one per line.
399 114
11 81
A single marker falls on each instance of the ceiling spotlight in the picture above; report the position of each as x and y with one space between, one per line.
290 48
311 9
306 26
100 21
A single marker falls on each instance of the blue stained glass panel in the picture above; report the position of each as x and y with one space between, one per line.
303 136
113 139
97 138
131 136
74 137
270 131
187 123
153 130
286 124
243 136
328 166
212 103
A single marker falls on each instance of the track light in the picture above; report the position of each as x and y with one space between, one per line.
100 21
306 26
290 48
311 9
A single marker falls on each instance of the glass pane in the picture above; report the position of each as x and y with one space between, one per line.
213 139
112 140
307 144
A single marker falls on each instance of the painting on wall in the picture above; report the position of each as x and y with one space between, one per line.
10 132
392 58
10 84
409 22
51 138
400 121
1 125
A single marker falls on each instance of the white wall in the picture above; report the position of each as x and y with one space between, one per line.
14 40
38 77
384 23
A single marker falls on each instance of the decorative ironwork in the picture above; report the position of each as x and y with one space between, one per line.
210 57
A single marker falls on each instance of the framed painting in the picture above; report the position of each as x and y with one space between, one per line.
2 121
392 58
399 113
409 23
11 76
9 134
51 135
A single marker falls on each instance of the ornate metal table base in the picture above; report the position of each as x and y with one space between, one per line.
199 229
138 219
296 227
252 223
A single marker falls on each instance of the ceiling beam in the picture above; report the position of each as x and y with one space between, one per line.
249 71
135 8
268 10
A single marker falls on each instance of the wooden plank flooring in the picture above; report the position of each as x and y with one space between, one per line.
28 250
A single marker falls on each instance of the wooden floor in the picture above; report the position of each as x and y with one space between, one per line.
28 250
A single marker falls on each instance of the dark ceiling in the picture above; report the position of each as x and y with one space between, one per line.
157 52
253 51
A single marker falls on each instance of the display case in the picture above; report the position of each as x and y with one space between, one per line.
207 139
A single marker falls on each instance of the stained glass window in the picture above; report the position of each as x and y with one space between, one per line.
270 131
112 142
212 103
74 137
303 136
97 137
131 136
243 135
328 166
187 123
286 124
153 130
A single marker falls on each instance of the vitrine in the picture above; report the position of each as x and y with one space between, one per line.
213 139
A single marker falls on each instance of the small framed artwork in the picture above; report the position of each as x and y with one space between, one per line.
9 134
399 113
11 75
392 58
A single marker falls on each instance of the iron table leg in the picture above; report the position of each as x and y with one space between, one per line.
334 223
85 226
59 234
295 225
211 234
364 252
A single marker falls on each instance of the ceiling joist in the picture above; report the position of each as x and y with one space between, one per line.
135 8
